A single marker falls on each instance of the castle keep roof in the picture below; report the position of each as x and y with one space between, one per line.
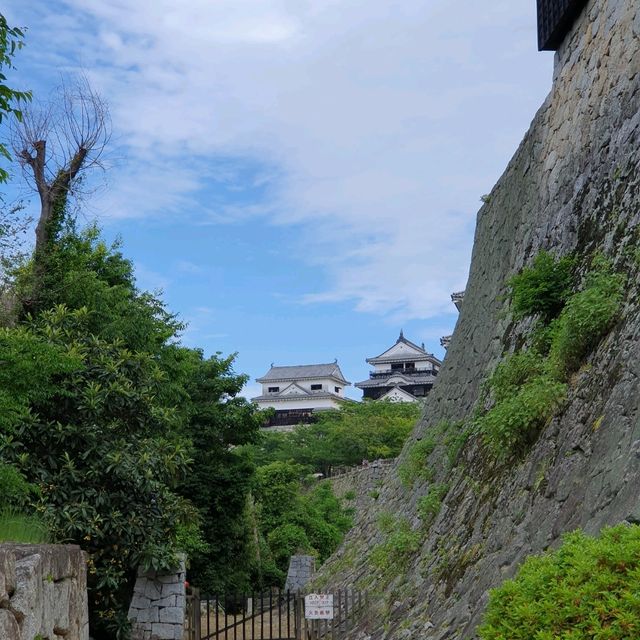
303 372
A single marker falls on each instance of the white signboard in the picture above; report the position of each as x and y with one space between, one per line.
318 606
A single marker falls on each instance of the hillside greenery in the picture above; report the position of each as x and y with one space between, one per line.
342 438
295 517
294 512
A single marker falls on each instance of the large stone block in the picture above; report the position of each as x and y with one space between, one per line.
9 629
7 574
173 615
140 601
45 590
152 590
173 589
162 631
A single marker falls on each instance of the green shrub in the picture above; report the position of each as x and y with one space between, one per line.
393 555
513 423
350 495
513 372
430 504
14 488
287 540
542 288
415 465
586 318
386 522
455 438
586 590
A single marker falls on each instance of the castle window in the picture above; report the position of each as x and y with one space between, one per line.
316 387
274 389
338 389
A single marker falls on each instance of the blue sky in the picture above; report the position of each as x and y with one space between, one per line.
300 177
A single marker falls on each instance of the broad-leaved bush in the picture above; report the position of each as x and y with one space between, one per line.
586 589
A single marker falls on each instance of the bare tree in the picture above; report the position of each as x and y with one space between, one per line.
56 142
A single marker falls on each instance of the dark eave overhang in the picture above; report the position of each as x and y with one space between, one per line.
555 19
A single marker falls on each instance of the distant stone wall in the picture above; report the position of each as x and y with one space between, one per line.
43 592
365 482
301 570
157 610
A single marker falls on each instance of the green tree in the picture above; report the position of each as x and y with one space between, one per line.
221 474
11 41
344 437
103 452
294 518
129 436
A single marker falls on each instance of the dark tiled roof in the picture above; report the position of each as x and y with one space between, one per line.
305 371
405 380
422 353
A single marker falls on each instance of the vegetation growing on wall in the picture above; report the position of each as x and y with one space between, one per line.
430 504
586 589
415 466
401 543
452 436
543 288
528 387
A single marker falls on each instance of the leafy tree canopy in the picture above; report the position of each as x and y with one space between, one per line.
11 40
344 437
127 435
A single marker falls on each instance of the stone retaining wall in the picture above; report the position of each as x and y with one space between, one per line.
572 186
301 570
157 610
43 592
361 486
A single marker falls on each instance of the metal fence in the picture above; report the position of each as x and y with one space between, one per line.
273 615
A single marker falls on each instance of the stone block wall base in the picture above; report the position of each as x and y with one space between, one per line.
157 610
43 592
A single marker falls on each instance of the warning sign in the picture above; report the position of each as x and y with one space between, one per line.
318 606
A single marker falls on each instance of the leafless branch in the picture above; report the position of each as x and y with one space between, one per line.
58 141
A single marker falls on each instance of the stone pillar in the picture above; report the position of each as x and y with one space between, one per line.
43 592
301 570
157 610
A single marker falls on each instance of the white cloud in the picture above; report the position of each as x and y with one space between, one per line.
385 122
